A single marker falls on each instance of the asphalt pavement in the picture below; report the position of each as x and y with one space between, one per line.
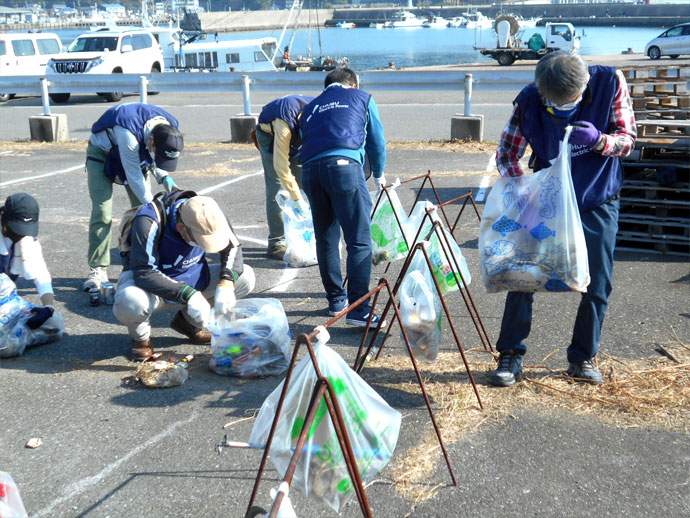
113 448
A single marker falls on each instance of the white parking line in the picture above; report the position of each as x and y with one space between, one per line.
262 242
215 187
38 177
83 484
286 279
484 184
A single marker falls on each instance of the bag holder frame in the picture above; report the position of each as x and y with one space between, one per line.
436 228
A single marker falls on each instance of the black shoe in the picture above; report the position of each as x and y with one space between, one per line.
509 369
586 372
196 335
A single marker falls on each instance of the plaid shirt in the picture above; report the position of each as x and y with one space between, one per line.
620 142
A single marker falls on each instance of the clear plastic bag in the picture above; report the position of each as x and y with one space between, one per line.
442 262
420 308
299 231
254 341
388 233
11 505
15 336
530 237
372 426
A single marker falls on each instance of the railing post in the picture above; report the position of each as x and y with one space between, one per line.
142 88
468 95
44 96
245 95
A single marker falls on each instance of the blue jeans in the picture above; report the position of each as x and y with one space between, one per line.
600 226
338 195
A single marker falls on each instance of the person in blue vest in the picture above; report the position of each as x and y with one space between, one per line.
596 102
339 128
166 269
128 143
278 140
21 255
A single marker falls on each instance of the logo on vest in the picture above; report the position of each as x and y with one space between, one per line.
331 106
191 261
578 150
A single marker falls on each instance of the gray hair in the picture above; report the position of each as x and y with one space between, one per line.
560 76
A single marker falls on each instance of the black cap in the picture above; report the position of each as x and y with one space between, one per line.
21 214
169 143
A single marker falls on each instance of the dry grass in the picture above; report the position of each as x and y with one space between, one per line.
455 146
652 393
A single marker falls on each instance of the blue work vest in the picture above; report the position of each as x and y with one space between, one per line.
335 119
5 261
133 117
176 258
288 109
596 178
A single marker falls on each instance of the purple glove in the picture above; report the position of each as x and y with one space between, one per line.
40 316
584 134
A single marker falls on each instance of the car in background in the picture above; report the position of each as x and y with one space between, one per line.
26 54
672 42
131 51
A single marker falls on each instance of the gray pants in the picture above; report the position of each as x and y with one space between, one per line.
276 232
134 306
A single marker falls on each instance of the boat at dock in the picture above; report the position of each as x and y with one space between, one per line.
435 22
404 19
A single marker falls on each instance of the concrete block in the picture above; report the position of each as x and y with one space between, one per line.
465 127
49 128
241 127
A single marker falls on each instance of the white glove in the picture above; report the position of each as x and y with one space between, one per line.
199 309
302 207
380 182
225 298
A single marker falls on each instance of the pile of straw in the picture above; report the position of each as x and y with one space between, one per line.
651 393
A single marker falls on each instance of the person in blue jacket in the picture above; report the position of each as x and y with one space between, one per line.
278 140
166 269
340 128
127 142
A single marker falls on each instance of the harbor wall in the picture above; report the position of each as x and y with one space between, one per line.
261 20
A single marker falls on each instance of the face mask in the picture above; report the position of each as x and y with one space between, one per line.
566 107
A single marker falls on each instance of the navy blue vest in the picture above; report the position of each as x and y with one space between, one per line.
132 116
176 258
5 261
335 119
596 178
288 109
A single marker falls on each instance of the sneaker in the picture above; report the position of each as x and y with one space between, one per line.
509 369
141 350
96 277
336 308
360 320
195 334
276 252
585 371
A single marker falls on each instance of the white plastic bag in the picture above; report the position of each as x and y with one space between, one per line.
372 426
11 505
530 237
388 233
254 341
299 231
15 336
420 308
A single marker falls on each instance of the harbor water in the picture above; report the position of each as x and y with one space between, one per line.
368 48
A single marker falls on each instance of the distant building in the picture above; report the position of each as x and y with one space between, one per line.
115 10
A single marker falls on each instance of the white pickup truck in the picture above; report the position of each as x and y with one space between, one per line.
514 42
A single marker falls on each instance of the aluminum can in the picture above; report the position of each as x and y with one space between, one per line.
108 293
94 297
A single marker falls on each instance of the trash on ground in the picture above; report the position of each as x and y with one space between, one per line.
161 374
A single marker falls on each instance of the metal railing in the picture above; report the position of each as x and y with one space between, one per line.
261 81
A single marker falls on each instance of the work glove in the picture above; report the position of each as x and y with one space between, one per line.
169 184
585 134
199 309
225 297
301 207
380 183
40 315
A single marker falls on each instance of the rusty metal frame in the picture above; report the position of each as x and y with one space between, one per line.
323 388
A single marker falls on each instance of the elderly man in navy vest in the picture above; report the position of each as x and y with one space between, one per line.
127 142
166 269
596 102
278 140
339 128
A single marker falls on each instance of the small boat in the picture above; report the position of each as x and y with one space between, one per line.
478 21
457 21
435 22
405 19
377 25
345 25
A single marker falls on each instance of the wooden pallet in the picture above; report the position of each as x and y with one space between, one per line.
666 129
659 101
655 71
662 114
652 88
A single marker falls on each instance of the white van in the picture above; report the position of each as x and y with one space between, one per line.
26 54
